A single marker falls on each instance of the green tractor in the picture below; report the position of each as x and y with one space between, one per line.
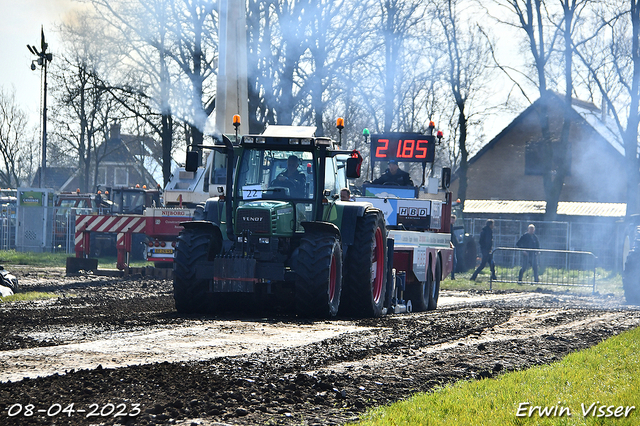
281 234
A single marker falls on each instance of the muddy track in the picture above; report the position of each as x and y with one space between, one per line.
109 341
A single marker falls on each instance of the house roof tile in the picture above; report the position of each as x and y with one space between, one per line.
539 207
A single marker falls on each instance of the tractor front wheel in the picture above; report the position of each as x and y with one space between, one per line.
191 295
319 276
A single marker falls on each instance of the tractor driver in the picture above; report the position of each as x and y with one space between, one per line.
292 178
394 176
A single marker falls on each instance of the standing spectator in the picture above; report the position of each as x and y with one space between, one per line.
454 241
486 247
529 258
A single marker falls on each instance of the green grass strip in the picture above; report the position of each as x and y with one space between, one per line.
606 283
30 295
12 257
597 381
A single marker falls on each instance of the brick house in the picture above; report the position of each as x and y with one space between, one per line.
505 181
123 160
126 160
507 168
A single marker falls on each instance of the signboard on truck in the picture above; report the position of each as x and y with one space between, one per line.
412 214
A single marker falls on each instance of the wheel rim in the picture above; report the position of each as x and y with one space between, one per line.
377 266
332 278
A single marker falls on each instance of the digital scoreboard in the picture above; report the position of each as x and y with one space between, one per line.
403 147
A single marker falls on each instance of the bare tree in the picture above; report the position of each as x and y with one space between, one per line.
544 29
612 57
398 19
83 107
171 48
16 157
335 41
468 60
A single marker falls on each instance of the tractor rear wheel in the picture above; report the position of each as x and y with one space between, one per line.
434 292
631 278
191 295
420 293
319 276
365 269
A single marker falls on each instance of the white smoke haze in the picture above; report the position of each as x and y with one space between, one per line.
159 41
321 59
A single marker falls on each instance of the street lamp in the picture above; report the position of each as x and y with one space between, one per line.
43 59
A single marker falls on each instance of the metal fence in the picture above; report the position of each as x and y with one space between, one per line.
601 239
545 267
59 229
7 226
63 228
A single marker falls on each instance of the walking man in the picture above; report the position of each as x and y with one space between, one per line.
486 248
529 258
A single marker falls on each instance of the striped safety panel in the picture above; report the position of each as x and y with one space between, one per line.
115 224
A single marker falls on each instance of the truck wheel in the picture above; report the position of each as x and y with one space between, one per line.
365 269
420 293
191 295
631 279
319 276
434 292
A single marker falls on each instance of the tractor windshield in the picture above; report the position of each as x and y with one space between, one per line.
275 175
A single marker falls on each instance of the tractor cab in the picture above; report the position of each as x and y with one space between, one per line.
285 174
133 200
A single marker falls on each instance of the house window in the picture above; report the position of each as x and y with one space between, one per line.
101 179
533 159
121 177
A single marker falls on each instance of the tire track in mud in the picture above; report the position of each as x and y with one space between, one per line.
330 381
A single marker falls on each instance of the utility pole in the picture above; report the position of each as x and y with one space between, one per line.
43 59
232 91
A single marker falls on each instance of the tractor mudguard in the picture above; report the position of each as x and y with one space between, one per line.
350 213
207 227
321 227
212 210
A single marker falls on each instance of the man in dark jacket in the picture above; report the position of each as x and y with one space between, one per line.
486 248
292 178
394 176
529 258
